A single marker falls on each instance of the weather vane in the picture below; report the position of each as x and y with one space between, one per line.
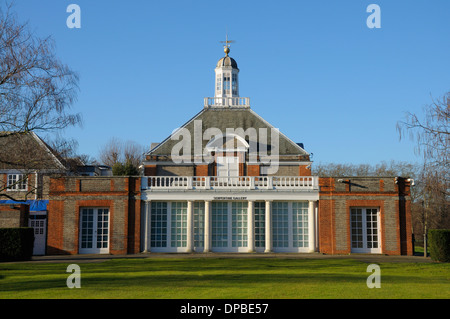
226 47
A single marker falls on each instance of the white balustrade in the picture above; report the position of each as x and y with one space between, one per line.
227 101
235 182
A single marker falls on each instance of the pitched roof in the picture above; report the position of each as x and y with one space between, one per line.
231 118
27 151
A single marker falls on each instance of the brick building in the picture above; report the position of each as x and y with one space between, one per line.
94 215
228 181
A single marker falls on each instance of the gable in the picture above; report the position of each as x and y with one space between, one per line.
241 121
26 151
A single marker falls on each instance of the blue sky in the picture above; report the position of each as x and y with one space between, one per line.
313 69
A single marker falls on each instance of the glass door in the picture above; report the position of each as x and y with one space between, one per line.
94 231
365 230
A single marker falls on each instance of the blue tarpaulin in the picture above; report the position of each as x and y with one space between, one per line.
35 205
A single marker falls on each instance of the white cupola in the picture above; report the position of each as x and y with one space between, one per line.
226 90
227 83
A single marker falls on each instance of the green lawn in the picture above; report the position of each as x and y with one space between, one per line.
194 278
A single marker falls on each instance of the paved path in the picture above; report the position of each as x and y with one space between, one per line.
362 257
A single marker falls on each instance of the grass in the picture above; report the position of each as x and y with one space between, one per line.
225 278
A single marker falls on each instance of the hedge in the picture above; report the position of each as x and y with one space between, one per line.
439 243
16 243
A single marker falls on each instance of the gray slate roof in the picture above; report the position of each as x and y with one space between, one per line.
27 151
223 118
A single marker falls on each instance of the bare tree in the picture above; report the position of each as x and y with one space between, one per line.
111 152
115 151
36 89
36 94
431 133
432 136
393 168
133 153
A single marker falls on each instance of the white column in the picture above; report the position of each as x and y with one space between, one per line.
207 239
316 229
190 227
251 226
146 222
268 226
311 227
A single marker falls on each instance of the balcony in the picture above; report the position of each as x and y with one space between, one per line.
227 102
230 183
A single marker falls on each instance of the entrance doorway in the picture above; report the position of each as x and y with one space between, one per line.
94 231
365 230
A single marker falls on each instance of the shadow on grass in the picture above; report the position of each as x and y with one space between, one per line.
146 282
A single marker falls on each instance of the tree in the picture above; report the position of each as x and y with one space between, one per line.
392 168
127 169
124 157
432 137
36 94
36 89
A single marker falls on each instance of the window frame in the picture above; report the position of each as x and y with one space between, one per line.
12 184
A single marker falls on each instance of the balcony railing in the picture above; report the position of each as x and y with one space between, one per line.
227 101
238 182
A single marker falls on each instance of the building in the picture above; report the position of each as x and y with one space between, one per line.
228 181
26 162
26 165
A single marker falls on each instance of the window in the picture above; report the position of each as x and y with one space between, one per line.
158 231
260 223
226 83
300 224
179 224
234 84
17 182
280 224
219 83
239 224
219 224
199 224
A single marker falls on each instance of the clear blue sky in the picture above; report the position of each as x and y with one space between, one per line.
311 68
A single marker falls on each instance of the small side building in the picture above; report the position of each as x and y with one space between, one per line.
365 215
94 215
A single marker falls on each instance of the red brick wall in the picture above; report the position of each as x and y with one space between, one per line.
304 171
55 227
253 170
395 213
201 170
150 170
326 227
66 200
